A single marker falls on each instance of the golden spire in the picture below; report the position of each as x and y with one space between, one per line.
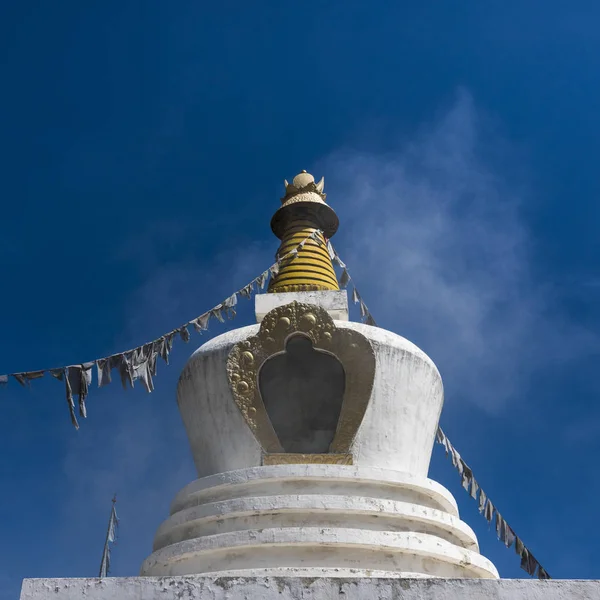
303 212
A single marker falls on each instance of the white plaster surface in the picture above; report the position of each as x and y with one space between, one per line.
334 302
348 480
219 437
330 518
397 431
302 510
297 548
379 515
306 588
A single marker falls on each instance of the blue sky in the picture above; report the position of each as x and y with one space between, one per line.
143 150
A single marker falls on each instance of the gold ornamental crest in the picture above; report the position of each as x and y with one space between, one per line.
349 347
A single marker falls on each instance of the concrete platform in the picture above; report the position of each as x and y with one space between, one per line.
305 588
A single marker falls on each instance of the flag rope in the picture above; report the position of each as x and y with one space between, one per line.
504 531
140 363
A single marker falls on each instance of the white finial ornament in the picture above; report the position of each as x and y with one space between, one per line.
304 183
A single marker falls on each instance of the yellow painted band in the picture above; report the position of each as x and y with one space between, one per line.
294 277
308 248
311 268
291 278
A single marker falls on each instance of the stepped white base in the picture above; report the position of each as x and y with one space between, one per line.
316 521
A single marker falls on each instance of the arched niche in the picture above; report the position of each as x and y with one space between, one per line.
302 389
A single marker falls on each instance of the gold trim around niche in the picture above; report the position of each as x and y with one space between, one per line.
291 458
350 347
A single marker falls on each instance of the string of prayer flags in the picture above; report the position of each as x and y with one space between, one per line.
370 320
504 531
343 282
262 279
542 573
217 313
246 292
474 487
344 279
365 313
201 323
338 261
77 379
164 344
104 367
123 364
488 511
229 305
25 378
140 364
510 537
482 501
20 377
331 250
184 333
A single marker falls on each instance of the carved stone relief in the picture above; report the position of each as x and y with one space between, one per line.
351 348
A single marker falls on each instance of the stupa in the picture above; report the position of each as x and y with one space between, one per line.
312 437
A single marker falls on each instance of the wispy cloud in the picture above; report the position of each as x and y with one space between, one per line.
440 251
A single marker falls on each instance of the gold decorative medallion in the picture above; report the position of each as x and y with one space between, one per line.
351 348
